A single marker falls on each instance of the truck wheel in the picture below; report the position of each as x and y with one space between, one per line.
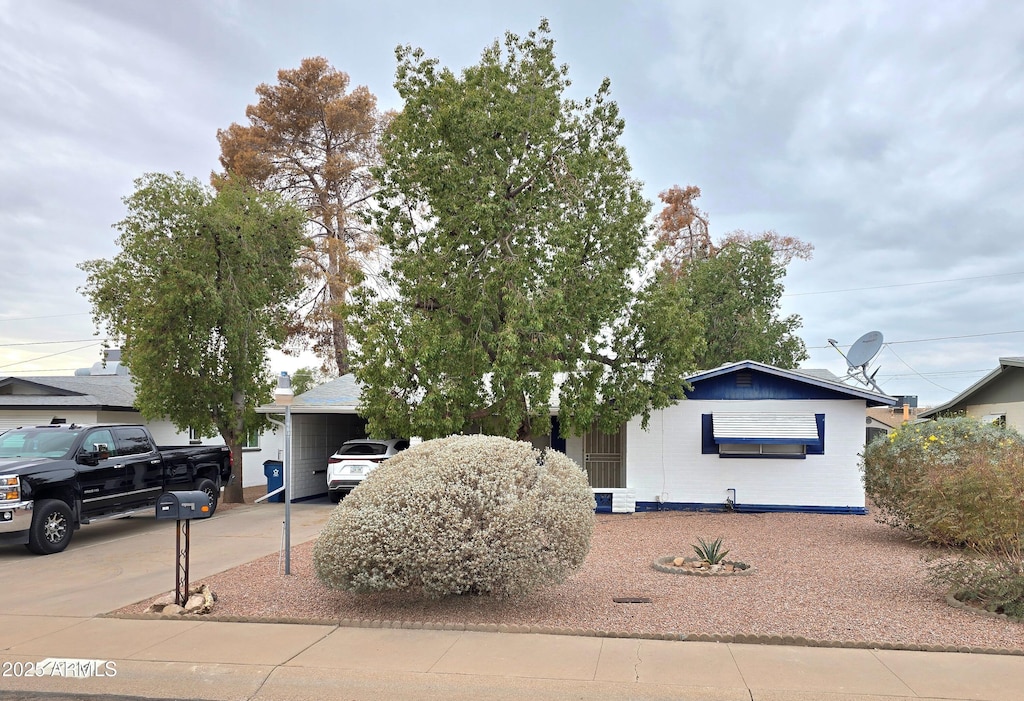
51 527
205 485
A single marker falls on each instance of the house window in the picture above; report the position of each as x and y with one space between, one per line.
874 432
762 450
762 435
193 436
252 440
994 419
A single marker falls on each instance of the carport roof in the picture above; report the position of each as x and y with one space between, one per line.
340 396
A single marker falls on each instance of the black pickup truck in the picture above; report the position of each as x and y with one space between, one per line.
55 478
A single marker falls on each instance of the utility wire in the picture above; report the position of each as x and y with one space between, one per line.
899 284
927 340
44 343
32 360
33 318
916 372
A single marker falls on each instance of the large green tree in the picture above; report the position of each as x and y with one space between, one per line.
519 255
735 286
737 292
197 295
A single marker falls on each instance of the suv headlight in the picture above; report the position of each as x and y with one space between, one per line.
10 489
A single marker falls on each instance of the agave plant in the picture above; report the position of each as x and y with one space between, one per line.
712 552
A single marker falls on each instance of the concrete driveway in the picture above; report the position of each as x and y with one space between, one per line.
111 564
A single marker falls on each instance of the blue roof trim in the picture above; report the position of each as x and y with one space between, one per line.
770 382
770 441
751 508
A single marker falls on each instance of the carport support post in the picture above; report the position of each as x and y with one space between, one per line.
287 489
283 397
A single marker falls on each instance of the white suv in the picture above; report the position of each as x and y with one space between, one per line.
355 459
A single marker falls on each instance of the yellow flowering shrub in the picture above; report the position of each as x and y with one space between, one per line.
460 515
954 481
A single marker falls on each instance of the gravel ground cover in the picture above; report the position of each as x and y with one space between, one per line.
825 578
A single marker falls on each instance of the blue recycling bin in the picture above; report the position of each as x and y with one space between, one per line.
274 471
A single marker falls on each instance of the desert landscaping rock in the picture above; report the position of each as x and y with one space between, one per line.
818 580
693 566
200 601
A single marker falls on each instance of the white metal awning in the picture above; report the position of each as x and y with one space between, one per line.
769 427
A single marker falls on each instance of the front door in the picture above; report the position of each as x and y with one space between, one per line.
604 458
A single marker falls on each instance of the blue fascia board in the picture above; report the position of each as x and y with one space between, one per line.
775 383
750 508
771 441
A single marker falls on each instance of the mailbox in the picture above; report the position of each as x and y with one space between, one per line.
183 506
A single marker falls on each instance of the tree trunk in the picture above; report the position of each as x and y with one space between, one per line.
234 438
233 489
341 346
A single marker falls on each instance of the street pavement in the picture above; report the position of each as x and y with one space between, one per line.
50 625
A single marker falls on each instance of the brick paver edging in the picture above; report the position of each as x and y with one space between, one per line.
552 630
956 603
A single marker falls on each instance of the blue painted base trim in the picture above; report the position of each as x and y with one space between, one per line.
750 508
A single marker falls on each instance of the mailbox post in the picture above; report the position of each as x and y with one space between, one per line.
183 507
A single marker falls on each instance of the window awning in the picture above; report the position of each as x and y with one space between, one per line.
777 428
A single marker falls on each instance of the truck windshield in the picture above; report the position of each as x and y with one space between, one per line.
37 443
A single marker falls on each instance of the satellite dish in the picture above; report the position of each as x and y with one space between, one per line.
864 349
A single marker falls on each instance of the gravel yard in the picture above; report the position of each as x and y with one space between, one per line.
821 577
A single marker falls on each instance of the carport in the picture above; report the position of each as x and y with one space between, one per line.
322 419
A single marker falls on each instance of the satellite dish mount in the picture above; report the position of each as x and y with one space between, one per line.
860 355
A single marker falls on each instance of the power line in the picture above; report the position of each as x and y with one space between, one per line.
33 318
45 343
945 373
899 284
937 338
917 373
51 355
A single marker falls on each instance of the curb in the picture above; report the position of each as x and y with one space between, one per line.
798 641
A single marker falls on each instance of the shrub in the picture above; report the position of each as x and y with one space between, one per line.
460 515
953 481
994 585
710 552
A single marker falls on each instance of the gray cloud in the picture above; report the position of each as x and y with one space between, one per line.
886 134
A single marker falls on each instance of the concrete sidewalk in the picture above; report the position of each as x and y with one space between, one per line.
277 662
49 608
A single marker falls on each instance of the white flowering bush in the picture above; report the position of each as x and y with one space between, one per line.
460 515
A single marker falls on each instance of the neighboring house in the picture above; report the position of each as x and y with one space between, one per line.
105 395
999 396
757 437
881 420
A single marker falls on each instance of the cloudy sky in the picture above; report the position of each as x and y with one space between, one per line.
887 134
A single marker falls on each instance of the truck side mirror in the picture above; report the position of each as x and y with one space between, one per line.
88 457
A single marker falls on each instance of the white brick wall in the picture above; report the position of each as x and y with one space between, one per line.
666 461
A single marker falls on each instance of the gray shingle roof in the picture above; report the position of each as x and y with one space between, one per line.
343 391
94 392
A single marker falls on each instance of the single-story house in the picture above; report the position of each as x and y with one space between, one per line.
752 437
105 394
748 435
999 396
